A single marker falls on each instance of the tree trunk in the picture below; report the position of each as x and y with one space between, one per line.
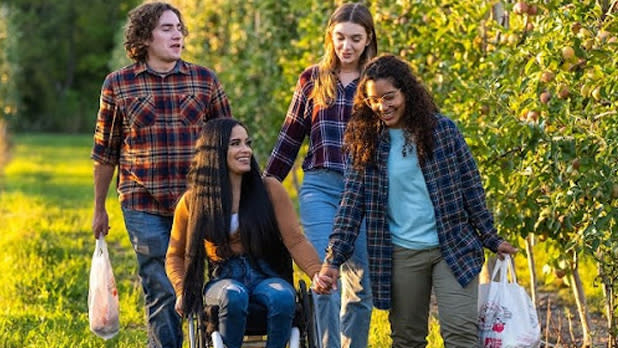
612 326
70 62
531 266
5 144
580 300
500 15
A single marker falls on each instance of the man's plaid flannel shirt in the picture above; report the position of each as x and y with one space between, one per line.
147 125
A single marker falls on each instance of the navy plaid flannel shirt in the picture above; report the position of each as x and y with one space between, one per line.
323 126
147 125
464 223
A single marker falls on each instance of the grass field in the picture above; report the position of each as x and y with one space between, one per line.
45 209
45 215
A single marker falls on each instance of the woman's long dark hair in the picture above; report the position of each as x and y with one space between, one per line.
209 199
363 130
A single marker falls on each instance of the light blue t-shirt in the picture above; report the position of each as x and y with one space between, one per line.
411 215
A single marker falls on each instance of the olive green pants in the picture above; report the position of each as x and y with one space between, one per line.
415 272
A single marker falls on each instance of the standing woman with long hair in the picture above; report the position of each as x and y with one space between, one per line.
320 110
415 181
244 227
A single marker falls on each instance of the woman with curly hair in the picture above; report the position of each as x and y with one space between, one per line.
319 111
414 180
245 228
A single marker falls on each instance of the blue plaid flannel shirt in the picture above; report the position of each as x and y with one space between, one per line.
463 221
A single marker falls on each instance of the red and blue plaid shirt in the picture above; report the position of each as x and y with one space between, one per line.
323 126
463 221
147 125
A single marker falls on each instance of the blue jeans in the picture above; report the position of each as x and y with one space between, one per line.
343 316
150 235
234 284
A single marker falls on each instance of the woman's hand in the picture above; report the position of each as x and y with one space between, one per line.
178 306
505 248
325 281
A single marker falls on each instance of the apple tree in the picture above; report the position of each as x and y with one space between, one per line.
534 87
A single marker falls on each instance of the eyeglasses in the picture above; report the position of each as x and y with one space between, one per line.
388 99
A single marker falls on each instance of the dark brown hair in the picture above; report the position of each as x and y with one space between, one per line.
142 20
209 200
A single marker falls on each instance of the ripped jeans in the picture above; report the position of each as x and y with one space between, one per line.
234 284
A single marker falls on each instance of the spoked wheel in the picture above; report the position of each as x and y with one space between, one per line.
197 332
310 337
196 336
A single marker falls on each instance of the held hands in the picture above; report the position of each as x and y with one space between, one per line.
326 280
505 248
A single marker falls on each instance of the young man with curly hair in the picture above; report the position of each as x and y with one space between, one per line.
149 118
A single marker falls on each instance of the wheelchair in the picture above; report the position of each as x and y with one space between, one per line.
203 327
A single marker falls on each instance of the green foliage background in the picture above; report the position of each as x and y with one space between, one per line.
8 66
550 166
60 52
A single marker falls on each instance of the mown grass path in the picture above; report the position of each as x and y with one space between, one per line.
46 242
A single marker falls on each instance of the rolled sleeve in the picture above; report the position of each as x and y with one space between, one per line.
107 134
291 136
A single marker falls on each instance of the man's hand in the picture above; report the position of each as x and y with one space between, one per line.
100 223
505 248
326 280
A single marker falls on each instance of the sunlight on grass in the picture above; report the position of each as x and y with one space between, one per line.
46 211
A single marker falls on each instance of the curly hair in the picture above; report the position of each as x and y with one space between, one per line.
209 201
142 20
326 82
364 128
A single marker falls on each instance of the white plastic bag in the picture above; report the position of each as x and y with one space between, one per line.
507 316
102 294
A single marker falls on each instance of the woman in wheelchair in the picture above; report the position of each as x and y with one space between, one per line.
242 226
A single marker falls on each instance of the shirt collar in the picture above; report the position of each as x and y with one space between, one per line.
181 67
353 84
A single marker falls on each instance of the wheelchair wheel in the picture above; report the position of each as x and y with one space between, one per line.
196 336
310 337
200 332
